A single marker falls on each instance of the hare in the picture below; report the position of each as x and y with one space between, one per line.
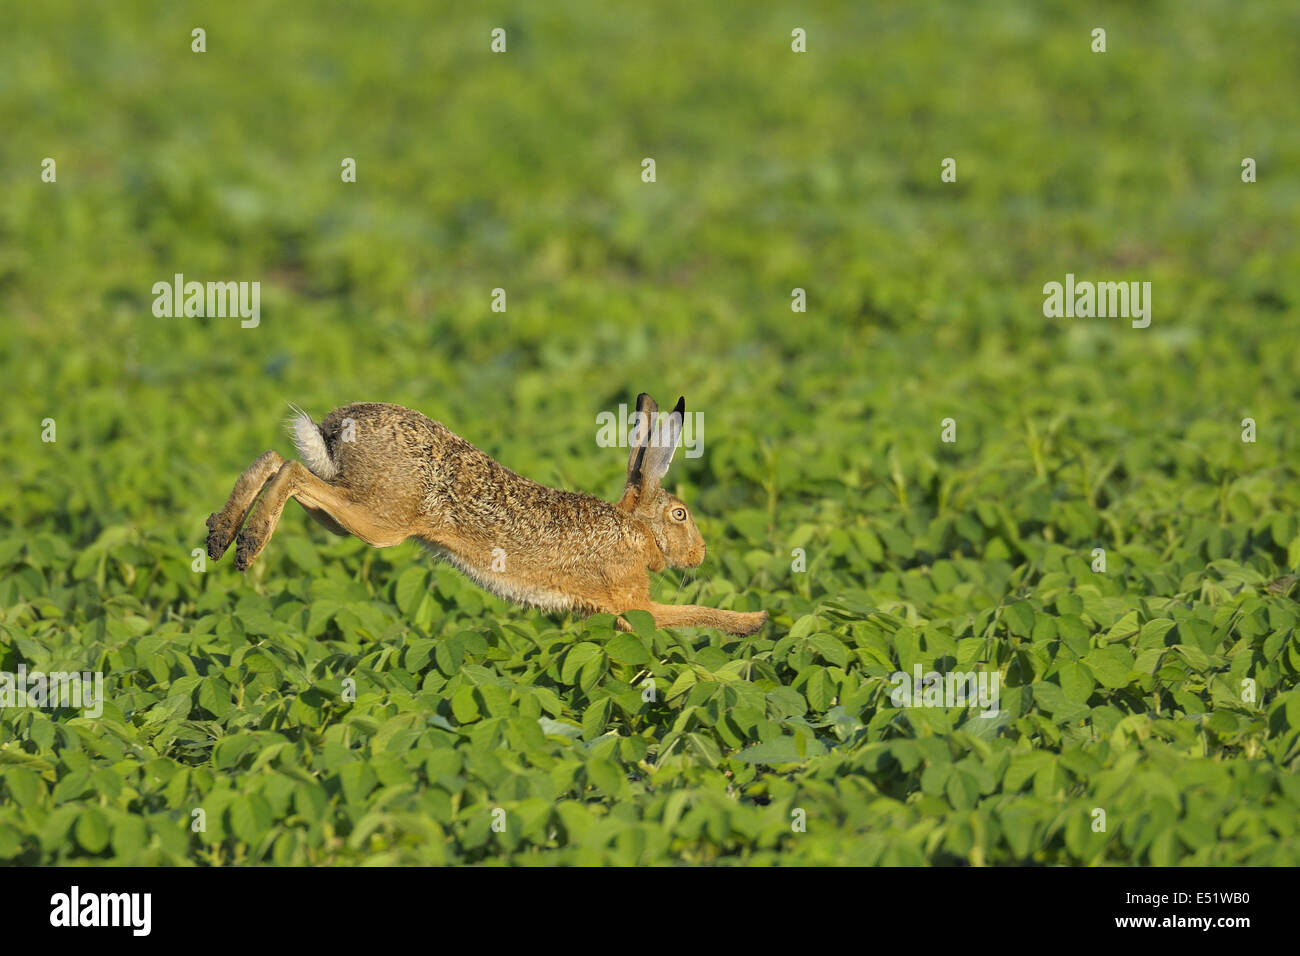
385 473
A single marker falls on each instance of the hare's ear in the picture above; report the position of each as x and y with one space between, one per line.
663 445
646 410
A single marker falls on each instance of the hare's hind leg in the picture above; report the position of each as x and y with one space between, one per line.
293 480
223 525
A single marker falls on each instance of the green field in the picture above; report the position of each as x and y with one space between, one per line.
1160 691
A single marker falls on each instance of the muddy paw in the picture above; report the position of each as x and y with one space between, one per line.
245 551
218 539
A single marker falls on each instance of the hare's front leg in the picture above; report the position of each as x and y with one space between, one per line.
693 615
293 480
223 526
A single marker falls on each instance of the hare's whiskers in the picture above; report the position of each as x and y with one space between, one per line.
683 582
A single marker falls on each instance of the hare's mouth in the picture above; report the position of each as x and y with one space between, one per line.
693 562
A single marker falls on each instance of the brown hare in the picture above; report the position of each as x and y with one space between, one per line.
386 473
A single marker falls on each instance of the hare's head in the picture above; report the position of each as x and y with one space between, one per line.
654 440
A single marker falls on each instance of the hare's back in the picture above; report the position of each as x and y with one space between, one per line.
385 451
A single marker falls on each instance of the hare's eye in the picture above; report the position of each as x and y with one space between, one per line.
679 514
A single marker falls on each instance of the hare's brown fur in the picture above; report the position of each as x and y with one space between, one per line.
385 473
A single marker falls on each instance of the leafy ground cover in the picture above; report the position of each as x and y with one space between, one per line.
340 704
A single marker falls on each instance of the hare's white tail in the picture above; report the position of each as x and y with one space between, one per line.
313 451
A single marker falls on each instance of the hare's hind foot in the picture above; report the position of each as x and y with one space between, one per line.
224 525
327 503
290 481
218 537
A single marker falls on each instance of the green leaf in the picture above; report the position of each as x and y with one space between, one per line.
1076 681
592 672
804 626
1153 632
1020 618
1195 657
704 747
1052 699
357 780
786 702
559 728
250 817
819 689
1122 629
828 647
605 775
410 589
577 658
92 830
1111 665
627 649
781 750
463 705
593 721
24 785
643 623
214 697
962 789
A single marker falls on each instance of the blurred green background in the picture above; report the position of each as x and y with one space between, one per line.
775 170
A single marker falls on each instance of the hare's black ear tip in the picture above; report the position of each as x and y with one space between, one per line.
681 405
